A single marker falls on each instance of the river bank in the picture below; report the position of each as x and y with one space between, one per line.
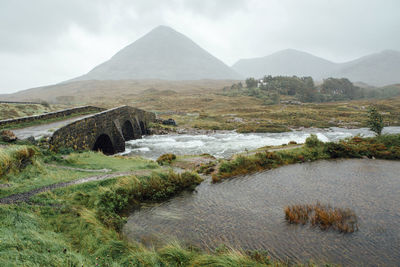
248 212
81 223
224 144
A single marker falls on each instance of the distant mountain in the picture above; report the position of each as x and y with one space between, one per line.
285 62
113 91
165 54
376 69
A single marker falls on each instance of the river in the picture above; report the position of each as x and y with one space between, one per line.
225 144
248 213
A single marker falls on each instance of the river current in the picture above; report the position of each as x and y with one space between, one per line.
225 144
248 212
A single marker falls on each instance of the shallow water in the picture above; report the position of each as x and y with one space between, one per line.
247 212
223 145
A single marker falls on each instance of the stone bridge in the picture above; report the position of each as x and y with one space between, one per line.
106 131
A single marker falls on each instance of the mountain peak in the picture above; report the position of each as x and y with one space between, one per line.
163 53
290 51
162 29
285 62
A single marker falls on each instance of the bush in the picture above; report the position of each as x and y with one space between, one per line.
166 159
15 158
243 165
375 120
313 141
130 191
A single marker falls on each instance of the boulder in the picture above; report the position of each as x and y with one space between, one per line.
169 122
31 140
8 136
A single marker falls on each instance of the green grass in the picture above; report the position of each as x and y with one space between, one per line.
38 175
95 160
80 225
14 158
9 111
382 147
53 236
42 121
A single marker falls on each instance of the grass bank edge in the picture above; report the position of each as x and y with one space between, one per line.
380 147
81 224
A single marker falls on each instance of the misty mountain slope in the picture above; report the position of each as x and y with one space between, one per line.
95 91
285 62
163 53
377 69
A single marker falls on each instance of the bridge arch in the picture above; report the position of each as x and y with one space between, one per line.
128 131
103 131
104 144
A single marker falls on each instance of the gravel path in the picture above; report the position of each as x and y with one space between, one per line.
24 197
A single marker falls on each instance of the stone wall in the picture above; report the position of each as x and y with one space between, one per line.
50 115
19 102
83 134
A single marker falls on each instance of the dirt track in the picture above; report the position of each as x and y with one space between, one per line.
25 197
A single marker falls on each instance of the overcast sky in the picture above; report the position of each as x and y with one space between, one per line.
48 41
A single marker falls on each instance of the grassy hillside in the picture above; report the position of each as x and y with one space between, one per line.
249 114
94 91
8 111
203 104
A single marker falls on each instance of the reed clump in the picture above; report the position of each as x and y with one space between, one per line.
15 158
323 216
166 159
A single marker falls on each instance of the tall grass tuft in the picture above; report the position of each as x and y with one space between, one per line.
323 216
15 158
166 159
112 202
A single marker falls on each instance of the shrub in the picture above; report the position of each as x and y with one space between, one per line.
166 159
130 191
247 164
313 141
207 168
7 136
15 158
375 120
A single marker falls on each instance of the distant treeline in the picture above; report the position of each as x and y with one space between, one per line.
304 89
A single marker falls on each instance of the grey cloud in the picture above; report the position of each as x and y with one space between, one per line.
30 25
46 30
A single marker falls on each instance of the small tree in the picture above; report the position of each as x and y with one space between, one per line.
375 120
251 83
